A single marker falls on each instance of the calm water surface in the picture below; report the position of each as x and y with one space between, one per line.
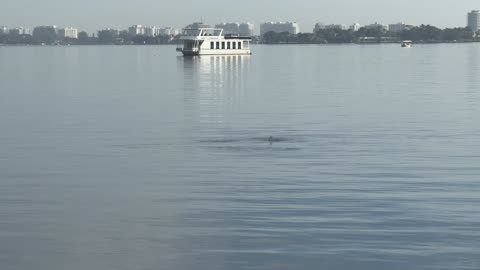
136 158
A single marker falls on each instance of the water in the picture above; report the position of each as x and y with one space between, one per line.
135 158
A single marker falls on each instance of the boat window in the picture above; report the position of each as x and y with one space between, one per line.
239 45
212 45
223 45
228 45
218 45
234 45
245 44
211 32
191 32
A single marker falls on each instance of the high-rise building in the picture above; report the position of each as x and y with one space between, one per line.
377 26
197 25
3 30
246 29
150 31
136 30
19 31
355 27
15 31
399 27
228 28
45 34
321 26
167 31
241 29
68 32
474 20
279 27
26 31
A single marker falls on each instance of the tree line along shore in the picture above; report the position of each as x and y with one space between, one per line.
419 34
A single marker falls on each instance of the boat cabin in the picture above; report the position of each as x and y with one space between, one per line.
211 41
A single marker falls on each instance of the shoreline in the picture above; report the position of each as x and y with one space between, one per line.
377 43
265 44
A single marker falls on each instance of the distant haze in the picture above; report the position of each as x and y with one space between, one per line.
91 15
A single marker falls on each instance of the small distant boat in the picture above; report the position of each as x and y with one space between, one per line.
407 44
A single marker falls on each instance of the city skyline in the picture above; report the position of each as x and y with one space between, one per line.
155 30
92 16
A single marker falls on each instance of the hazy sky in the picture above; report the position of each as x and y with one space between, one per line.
94 14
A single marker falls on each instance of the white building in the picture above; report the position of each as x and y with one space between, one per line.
355 27
167 31
15 31
241 29
3 30
279 27
399 27
136 30
19 31
474 20
25 31
68 32
150 31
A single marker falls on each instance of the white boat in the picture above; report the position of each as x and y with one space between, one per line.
407 44
211 41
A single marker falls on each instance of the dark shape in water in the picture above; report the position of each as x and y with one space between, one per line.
272 139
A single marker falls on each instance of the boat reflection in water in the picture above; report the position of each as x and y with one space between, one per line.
216 71
213 85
